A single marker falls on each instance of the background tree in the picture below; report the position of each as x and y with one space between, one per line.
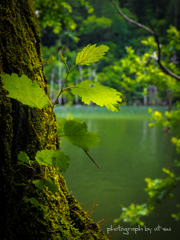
23 129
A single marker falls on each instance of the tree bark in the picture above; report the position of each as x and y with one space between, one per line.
59 216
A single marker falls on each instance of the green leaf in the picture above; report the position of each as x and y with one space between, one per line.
54 158
76 133
39 184
51 185
22 156
90 54
34 201
101 95
24 90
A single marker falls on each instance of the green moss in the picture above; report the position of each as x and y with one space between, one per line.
59 216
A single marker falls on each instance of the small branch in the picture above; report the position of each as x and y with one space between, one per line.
68 88
91 158
131 20
163 68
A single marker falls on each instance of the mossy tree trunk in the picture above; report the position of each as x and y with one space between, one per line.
58 216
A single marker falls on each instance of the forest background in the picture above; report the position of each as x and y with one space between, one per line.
85 22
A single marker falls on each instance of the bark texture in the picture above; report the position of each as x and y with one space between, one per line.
59 216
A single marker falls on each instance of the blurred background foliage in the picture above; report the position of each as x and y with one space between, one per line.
68 26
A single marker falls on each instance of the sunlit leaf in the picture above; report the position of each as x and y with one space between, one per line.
24 90
91 54
101 95
22 156
76 133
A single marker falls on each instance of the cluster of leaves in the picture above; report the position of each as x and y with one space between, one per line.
170 119
157 189
133 213
100 27
160 188
29 93
55 71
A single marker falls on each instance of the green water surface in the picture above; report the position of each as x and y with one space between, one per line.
129 151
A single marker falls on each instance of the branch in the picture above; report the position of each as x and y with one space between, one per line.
131 20
163 68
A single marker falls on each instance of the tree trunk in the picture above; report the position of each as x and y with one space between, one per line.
59 216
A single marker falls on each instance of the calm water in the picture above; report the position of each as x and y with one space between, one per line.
129 151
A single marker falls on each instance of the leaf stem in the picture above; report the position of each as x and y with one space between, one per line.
91 158
68 88
63 83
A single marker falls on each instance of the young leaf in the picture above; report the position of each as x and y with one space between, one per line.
51 185
76 133
90 54
34 201
39 184
54 158
24 90
101 95
22 156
